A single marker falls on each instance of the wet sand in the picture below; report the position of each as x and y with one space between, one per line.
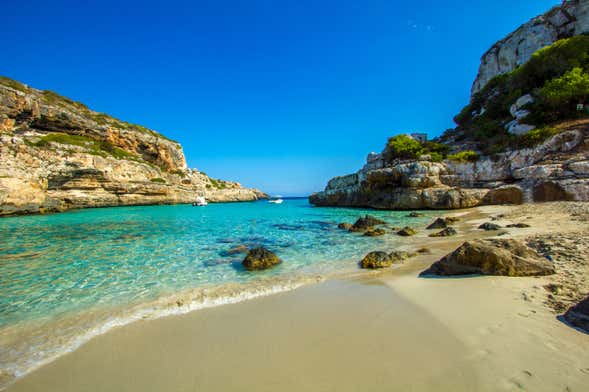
390 331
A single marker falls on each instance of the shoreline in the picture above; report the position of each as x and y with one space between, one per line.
438 248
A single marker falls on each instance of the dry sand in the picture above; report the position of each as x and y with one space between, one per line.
390 331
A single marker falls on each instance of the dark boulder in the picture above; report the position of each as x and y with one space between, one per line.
578 315
439 223
489 226
406 231
507 257
447 232
259 259
344 226
377 259
366 222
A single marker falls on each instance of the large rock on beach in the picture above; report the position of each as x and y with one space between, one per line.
259 259
506 257
578 315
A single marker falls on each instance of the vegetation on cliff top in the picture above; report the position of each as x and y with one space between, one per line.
405 147
90 145
53 99
556 76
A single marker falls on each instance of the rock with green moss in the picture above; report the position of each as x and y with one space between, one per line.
260 259
374 260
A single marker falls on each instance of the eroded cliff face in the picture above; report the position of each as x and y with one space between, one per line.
569 19
557 169
56 154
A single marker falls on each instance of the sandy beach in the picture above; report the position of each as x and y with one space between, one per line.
381 331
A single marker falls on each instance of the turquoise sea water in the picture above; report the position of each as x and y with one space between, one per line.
72 272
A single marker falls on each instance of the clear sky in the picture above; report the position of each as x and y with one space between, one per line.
280 95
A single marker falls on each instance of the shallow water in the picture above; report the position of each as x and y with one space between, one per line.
65 274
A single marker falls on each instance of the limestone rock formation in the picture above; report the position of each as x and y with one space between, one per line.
571 18
506 257
557 169
58 154
259 259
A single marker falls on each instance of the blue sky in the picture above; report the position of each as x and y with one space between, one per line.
281 95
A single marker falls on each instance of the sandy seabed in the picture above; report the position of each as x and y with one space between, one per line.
388 331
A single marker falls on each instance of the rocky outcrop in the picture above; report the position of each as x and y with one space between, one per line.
571 18
507 257
57 154
557 169
260 259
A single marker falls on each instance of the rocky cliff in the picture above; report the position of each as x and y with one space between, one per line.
57 154
570 18
557 169
524 136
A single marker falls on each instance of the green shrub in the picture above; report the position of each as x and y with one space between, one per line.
436 156
158 180
464 156
533 137
567 89
403 147
556 76
13 84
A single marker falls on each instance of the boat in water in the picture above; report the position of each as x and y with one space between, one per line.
275 201
200 202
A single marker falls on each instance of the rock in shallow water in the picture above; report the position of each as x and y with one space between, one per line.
259 259
374 232
507 257
377 259
578 315
344 226
365 223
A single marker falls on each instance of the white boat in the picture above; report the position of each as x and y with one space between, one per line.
275 201
200 201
